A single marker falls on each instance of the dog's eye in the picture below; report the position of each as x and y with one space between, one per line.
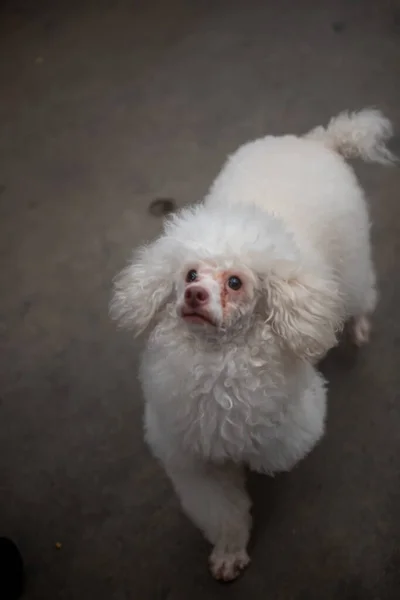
234 283
191 276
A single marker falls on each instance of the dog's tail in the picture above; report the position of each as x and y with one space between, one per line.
360 134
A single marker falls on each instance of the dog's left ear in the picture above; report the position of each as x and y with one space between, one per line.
303 309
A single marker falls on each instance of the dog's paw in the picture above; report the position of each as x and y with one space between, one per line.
361 330
227 566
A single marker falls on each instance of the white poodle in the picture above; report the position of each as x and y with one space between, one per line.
242 295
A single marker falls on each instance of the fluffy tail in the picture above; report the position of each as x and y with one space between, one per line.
359 134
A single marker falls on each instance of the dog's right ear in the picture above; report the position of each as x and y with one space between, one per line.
142 289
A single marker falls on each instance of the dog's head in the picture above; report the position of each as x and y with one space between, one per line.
220 271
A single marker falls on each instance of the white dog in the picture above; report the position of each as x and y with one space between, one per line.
242 295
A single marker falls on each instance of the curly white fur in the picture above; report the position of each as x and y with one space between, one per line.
288 213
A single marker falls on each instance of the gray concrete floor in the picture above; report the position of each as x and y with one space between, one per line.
103 107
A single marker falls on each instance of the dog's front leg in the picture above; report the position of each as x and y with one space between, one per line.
216 500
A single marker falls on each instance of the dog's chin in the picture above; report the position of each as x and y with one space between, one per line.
197 319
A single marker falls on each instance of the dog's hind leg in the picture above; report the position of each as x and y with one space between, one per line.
215 498
360 324
361 330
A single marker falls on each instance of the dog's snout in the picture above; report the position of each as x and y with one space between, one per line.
196 295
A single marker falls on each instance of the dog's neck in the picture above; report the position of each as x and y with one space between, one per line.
252 347
249 334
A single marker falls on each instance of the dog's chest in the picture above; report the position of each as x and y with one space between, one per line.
218 405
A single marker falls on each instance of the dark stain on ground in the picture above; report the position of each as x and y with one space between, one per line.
2 188
162 207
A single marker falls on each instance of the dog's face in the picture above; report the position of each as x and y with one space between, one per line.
227 272
214 297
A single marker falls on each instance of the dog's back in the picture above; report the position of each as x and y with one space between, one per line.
307 182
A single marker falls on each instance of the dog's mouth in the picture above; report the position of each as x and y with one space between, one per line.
196 318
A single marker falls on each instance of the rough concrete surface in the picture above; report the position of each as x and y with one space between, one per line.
104 106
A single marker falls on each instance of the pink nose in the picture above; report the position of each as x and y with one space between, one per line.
196 295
